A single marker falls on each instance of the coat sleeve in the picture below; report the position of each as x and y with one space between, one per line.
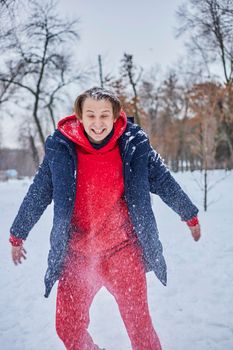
38 197
163 184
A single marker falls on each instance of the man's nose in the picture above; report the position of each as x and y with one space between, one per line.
98 123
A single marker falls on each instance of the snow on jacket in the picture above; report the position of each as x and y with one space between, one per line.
100 221
143 171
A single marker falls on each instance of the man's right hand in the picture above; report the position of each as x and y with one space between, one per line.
17 254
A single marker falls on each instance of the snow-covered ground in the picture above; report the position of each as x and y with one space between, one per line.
194 311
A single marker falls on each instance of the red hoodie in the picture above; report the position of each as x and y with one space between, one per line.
100 218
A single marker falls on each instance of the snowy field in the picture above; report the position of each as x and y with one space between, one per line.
194 311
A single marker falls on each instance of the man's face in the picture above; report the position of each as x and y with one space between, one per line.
97 119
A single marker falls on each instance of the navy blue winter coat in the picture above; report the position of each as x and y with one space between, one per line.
144 172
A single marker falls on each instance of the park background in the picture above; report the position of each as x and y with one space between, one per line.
171 64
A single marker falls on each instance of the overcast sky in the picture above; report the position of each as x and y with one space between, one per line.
142 28
110 28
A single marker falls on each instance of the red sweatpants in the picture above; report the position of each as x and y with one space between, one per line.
123 275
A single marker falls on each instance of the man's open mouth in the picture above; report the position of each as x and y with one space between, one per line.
98 132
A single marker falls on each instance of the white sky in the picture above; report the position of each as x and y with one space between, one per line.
142 28
110 28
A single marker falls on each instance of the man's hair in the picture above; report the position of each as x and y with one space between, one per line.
97 93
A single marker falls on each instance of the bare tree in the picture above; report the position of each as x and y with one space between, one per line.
6 4
167 127
204 108
209 25
149 93
128 69
210 29
100 71
41 66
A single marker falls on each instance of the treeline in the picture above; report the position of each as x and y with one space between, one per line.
186 111
191 126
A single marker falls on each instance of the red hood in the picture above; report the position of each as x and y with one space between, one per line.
72 128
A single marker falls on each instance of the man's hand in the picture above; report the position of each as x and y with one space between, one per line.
196 231
17 254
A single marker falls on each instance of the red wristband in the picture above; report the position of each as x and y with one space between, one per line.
15 242
192 222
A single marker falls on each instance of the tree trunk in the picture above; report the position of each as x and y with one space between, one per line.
205 189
